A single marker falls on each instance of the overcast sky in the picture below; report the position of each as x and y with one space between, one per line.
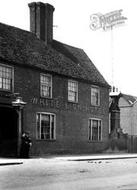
72 20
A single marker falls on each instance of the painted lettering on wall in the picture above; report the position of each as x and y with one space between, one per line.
60 104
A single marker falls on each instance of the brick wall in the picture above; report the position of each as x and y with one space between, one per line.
71 119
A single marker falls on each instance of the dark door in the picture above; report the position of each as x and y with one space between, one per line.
8 132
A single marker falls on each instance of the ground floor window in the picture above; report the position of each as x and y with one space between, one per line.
95 129
46 126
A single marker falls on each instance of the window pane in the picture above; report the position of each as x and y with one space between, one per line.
38 126
0 82
99 130
52 127
46 87
71 96
72 91
45 126
95 96
5 78
45 91
94 133
90 129
94 129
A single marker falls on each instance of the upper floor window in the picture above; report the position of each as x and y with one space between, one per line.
6 78
95 129
46 126
95 96
72 91
46 85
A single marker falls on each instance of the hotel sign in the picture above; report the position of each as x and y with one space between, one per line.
107 21
60 104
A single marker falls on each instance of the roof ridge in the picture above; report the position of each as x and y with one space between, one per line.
17 28
129 95
130 98
71 46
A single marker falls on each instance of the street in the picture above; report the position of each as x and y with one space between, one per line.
57 174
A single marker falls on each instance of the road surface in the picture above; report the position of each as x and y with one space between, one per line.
46 174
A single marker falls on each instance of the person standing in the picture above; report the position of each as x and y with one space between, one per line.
26 143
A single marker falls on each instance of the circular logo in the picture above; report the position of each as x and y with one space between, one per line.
95 21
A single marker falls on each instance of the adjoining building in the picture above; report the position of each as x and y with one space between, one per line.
123 120
128 114
51 90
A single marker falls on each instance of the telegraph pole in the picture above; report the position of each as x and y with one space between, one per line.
108 22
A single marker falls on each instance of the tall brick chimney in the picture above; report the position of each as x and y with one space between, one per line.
41 20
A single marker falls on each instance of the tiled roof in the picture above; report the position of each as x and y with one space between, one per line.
24 48
130 99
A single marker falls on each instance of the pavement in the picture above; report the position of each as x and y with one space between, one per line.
16 161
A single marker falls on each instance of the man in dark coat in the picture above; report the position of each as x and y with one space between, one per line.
25 145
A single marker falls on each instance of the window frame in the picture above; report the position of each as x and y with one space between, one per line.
97 88
39 134
46 75
90 120
12 78
76 82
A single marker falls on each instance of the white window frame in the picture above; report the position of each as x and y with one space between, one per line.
38 135
73 81
46 75
98 89
12 78
90 129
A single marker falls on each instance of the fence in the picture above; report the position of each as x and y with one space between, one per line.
126 143
132 144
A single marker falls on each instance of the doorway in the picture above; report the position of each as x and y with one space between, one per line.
8 132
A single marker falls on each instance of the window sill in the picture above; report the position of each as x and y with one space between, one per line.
6 93
71 102
90 141
47 140
4 90
44 97
94 105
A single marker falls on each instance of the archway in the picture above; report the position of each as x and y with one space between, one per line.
8 131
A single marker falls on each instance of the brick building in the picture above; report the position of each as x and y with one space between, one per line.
66 99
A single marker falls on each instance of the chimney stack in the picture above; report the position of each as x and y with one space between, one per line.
41 20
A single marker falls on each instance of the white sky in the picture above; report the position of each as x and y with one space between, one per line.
73 19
